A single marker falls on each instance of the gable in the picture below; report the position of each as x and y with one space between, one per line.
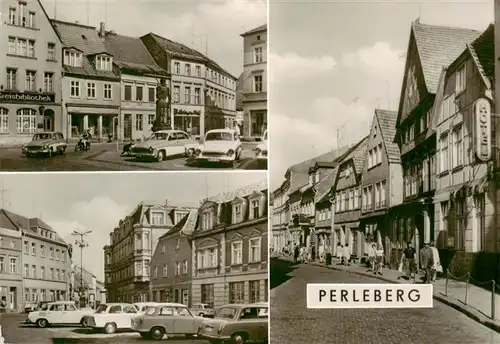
255 232
208 242
236 236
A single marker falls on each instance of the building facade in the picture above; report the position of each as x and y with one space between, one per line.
30 80
202 94
128 256
140 78
84 286
171 263
255 82
230 248
281 217
90 84
417 142
11 285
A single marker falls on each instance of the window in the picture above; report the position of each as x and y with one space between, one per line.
185 267
460 225
12 46
30 85
2 266
207 219
158 219
42 251
176 94
254 291
257 83
107 92
139 121
48 82
198 71
51 51
33 271
104 63
207 294
26 121
382 194
444 218
152 94
237 214
12 16
74 89
51 253
26 270
177 268
91 90
461 79
377 196
197 96
72 58
33 249
187 69
257 55
4 120
212 258
254 251
237 253
11 78
13 265
42 272
165 270
187 95
138 93
177 68
128 92
236 292
255 209
63 275
458 147
31 48
443 145
151 119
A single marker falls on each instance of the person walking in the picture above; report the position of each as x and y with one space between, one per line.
340 253
347 255
426 261
328 255
3 305
408 259
372 249
436 266
379 260
313 253
296 253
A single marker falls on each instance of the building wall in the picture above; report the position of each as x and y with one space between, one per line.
11 281
395 192
42 34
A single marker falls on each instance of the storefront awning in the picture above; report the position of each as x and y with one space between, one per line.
73 110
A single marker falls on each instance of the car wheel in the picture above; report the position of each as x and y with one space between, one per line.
201 315
42 323
157 333
110 328
190 152
238 338
161 156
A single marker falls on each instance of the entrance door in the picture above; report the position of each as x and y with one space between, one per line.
127 126
185 297
12 298
48 120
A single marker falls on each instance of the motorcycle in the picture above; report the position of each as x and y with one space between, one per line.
82 146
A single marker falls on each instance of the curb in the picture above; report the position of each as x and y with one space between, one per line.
457 305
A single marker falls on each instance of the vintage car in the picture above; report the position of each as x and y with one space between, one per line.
58 313
261 151
220 146
47 143
160 145
143 306
237 323
202 310
166 319
111 317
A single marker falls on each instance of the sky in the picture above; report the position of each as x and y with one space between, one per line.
332 63
212 26
97 202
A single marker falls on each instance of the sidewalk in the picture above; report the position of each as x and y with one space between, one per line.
479 300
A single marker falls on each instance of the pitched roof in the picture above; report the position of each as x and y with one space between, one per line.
186 225
238 193
130 53
323 187
86 39
359 155
387 123
438 47
483 51
261 28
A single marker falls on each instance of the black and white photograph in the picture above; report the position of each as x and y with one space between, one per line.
174 256
385 167
133 86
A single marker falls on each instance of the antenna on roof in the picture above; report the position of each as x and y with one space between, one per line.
55 9
88 12
418 12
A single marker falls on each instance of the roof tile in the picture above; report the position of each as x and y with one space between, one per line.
387 124
484 49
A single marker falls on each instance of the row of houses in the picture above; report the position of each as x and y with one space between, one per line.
69 77
423 173
214 253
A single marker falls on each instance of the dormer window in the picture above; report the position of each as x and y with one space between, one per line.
103 62
158 218
179 216
73 58
255 209
237 213
207 219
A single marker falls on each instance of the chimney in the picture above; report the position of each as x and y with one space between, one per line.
102 30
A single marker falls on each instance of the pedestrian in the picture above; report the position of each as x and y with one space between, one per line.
372 249
340 253
427 262
313 253
379 260
408 259
236 128
296 253
436 267
347 255
302 254
328 257
3 305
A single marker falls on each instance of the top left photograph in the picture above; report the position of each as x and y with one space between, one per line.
133 86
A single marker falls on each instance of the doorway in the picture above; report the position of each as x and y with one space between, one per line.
48 120
12 298
127 127
185 297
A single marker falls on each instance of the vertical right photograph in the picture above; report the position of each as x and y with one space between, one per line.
385 170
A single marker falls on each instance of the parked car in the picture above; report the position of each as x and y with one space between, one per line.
58 313
46 143
220 146
202 310
143 306
261 151
30 307
160 145
111 317
166 319
237 323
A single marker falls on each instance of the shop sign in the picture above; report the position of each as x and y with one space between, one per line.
21 97
482 129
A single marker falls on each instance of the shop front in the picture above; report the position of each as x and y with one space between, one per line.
23 114
187 120
103 122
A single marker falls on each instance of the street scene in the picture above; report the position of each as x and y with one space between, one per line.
398 183
112 263
95 81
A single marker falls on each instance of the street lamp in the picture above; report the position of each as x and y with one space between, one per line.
82 244
332 235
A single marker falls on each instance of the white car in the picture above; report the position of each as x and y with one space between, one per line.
261 151
220 146
161 144
143 306
111 317
202 310
58 313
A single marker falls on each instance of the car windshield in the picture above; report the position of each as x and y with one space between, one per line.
42 136
225 313
101 309
159 136
219 136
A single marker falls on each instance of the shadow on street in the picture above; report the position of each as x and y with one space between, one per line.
280 270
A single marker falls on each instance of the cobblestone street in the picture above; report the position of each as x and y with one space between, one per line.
292 322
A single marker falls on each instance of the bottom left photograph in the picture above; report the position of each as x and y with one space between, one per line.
119 258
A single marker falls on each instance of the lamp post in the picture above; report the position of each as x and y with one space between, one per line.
332 235
82 244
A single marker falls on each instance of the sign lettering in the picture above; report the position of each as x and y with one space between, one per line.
26 97
482 129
